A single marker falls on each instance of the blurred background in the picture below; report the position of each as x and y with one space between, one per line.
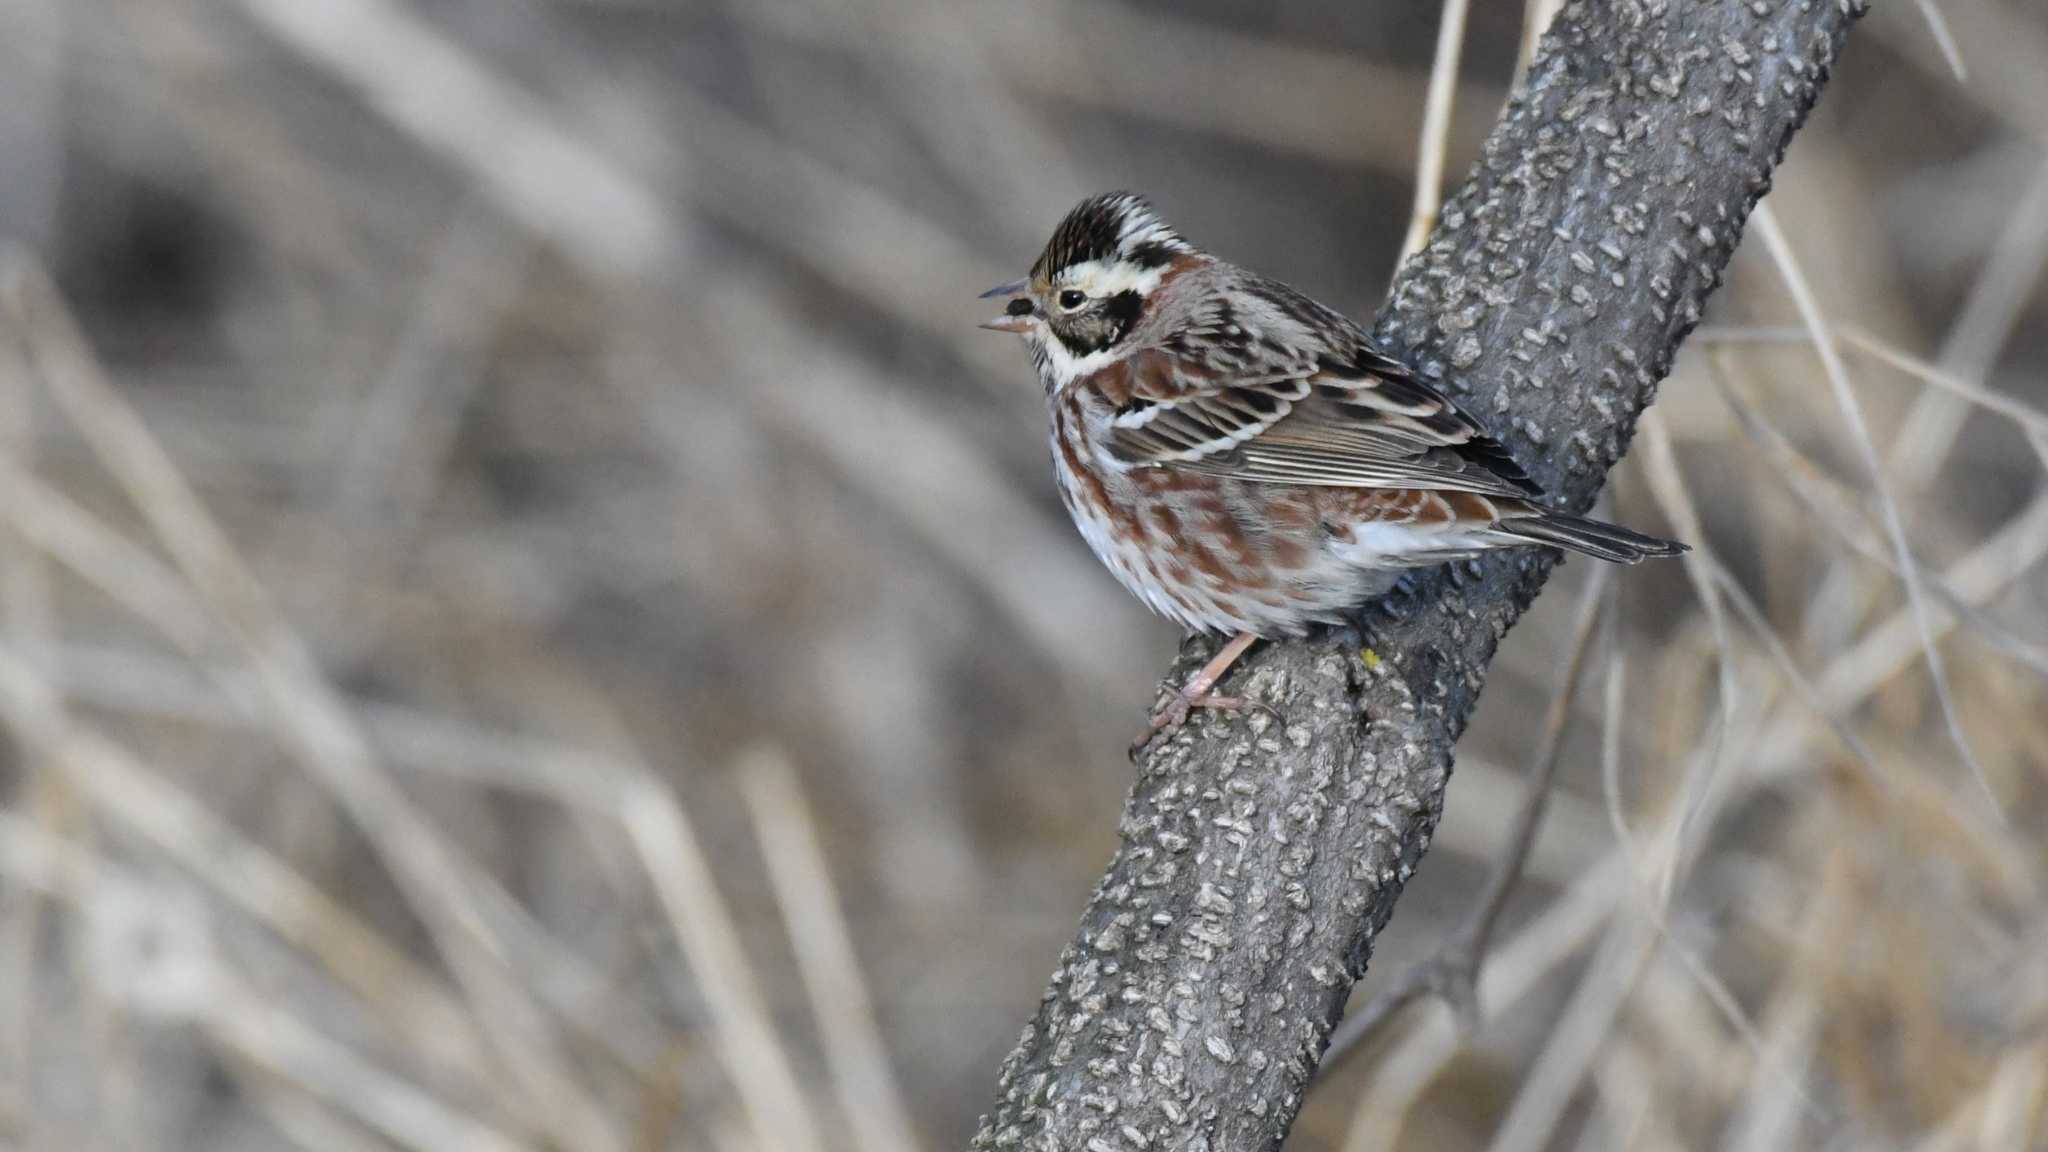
530 617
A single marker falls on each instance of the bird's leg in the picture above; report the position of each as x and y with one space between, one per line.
1195 693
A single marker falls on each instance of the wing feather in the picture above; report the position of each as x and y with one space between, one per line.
1366 421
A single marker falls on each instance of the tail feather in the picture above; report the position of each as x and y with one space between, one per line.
1595 538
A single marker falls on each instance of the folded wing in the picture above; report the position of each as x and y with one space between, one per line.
1360 419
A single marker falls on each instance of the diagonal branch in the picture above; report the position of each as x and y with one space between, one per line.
1262 853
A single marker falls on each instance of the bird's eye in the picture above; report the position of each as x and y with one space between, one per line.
1073 298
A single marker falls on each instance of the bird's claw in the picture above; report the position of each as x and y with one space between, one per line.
1174 716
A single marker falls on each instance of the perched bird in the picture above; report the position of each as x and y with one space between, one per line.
1245 459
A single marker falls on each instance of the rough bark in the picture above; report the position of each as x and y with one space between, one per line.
1261 854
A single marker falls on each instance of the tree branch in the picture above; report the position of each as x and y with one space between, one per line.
1261 856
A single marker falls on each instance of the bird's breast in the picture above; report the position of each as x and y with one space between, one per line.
1210 553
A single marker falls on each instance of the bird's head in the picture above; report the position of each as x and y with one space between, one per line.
1092 283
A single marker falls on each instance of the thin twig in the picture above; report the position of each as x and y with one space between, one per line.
1536 16
1561 931
1613 700
283 1045
668 847
1834 509
868 1093
1667 485
1859 433
1577 1037
1888 648
1993 309
1671 856
247 876
25 602
1937 27
1515 970
2011 407
198 987
1436 127
324 735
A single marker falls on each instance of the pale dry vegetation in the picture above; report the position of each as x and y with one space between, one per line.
530 617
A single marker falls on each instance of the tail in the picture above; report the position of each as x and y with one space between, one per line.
1591 537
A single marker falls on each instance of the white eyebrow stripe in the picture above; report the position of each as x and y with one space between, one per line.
1097 278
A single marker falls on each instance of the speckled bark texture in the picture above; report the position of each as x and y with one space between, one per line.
1261 853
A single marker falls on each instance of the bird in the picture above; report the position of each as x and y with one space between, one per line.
1245 460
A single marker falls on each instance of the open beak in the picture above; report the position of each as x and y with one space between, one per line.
1018 317
1009 322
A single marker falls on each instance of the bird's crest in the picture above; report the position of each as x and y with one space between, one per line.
1117 227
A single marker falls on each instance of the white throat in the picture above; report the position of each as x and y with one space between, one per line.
1060 366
